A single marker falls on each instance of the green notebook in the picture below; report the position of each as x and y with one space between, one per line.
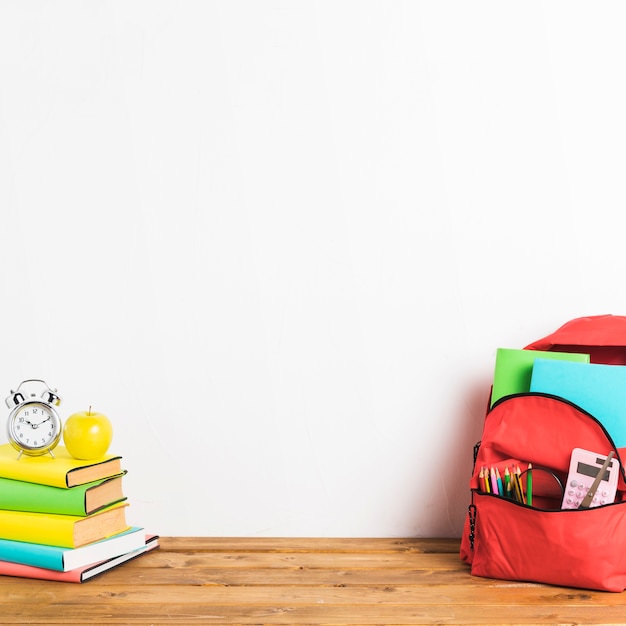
514 369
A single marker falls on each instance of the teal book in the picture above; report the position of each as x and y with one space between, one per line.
514 367
66 559
81 500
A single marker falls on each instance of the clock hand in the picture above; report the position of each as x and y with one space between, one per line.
39 423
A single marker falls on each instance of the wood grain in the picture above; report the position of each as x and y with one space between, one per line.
203 580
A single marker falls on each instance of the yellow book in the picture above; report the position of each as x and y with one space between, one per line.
61 471
65 531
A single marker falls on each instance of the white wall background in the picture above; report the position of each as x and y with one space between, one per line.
278 243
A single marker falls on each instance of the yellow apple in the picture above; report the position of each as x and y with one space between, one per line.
87 435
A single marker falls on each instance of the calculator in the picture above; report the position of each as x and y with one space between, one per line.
584 467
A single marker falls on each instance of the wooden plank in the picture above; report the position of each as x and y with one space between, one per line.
377 595
321 615
295 560
308 544
280 576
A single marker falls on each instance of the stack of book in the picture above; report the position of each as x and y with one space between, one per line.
64 519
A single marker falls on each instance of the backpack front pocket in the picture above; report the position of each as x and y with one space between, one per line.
577 548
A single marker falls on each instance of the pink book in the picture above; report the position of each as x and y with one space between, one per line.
80 574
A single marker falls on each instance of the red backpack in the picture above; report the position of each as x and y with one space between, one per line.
509 539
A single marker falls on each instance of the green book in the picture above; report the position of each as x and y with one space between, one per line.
514 368
82 500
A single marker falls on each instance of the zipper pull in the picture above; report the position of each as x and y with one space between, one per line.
476 449
472 524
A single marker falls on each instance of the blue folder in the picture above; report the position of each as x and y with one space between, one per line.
597 388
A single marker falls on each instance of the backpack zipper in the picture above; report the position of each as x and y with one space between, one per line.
541 394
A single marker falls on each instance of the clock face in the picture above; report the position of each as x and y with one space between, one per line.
34 426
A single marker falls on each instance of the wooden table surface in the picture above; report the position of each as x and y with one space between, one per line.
301 581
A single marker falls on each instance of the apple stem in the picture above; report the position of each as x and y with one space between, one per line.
89 412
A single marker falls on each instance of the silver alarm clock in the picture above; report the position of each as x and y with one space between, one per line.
34 426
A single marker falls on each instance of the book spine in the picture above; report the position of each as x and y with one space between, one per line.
28 571
16 495
31 554
49 529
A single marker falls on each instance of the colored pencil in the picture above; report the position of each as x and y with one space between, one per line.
486 480
499 481
494 482
518 480
507 482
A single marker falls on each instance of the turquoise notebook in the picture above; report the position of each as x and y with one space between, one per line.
514 368
66 559
597 388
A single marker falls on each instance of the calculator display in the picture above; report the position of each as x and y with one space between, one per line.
591 470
